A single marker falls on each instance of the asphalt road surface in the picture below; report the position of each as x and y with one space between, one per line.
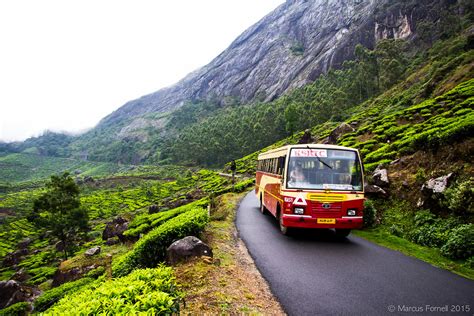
314 273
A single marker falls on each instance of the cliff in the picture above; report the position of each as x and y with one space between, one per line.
288 48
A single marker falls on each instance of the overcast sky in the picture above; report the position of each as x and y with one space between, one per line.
64 65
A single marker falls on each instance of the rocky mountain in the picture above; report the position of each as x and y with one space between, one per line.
288 48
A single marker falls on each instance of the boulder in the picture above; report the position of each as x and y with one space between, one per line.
14 258
12 292
170 204
24 243
380 177
61 277
20 275
431 191
306 138
115 228
59 246
112 241
342 129
187 248
88 179
152 209
374 190
195 194
437 185
92 251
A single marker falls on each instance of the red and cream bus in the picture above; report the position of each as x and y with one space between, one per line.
312 186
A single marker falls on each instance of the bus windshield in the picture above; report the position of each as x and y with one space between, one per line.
312 168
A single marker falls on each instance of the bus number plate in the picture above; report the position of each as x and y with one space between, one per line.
326 221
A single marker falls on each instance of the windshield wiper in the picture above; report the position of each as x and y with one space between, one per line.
319 159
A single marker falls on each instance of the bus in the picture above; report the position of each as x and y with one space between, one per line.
312 186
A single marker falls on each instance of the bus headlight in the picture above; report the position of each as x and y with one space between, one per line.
299 210
351 212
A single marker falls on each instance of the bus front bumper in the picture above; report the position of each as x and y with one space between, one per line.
306 221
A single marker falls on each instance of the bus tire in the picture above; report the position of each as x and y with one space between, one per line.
342 233
263 209
285 230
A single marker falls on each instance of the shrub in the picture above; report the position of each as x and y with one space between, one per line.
420 175
460 244
50 297
242 185
369 213
18 309
459 198
41 274
396 231
144 223
95 273
424 218
469 262
431 230
146 291
428 235
151 249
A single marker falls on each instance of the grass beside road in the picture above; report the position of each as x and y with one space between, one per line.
430 255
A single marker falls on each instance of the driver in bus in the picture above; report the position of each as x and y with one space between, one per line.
343 173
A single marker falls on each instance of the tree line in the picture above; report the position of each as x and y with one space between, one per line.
208 134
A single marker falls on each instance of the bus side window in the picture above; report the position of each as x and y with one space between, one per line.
281 165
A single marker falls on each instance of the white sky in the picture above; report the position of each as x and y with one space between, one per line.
64 65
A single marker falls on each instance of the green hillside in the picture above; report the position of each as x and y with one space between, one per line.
411 110
207 133
22 167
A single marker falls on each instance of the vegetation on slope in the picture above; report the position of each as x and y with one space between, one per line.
332 97
421 114
201 127
32 169
127 194
147 291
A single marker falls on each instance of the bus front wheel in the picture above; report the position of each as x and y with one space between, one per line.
342 233
263 209
283 229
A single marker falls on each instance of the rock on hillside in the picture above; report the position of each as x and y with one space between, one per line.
286 49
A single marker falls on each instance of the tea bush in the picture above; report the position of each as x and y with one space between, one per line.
50 297
146 291
151 249
242 185
95 273
424 126
40 274
18 309
145 222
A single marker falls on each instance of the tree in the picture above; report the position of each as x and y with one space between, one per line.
291 118
391 61
59 210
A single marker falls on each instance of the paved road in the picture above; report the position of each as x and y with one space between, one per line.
312 273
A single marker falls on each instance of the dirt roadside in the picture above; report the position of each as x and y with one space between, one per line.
230 283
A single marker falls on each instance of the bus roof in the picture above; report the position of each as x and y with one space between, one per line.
281 151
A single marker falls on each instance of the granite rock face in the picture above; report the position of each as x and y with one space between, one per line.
288 48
